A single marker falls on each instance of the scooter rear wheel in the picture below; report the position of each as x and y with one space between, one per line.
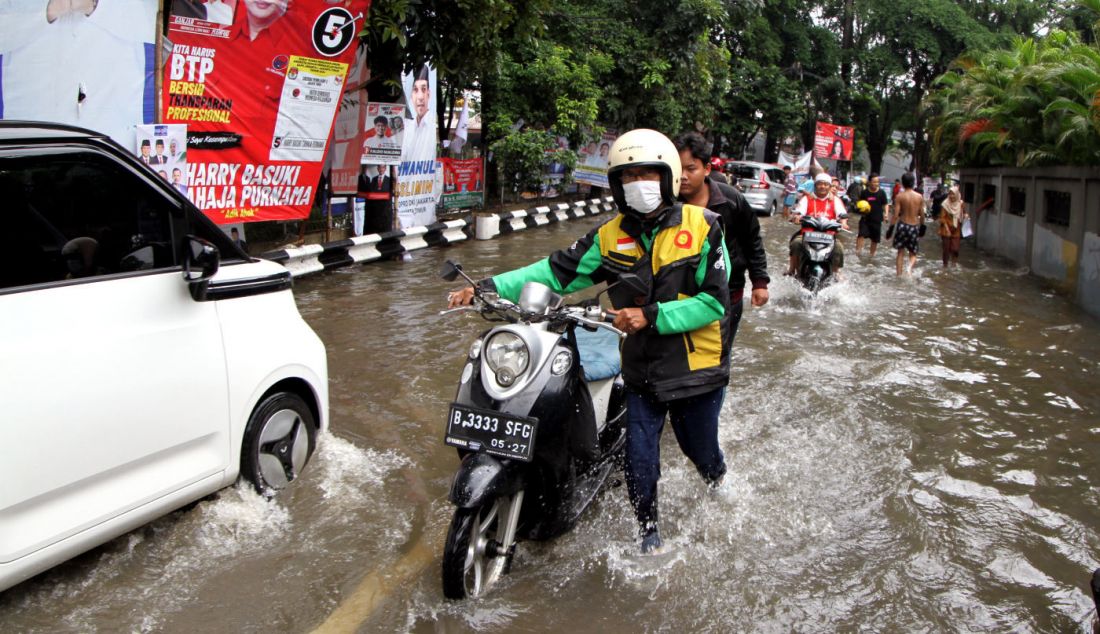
471 564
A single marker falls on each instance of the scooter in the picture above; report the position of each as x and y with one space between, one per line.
815 269
539 423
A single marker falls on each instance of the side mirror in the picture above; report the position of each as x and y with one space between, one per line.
200 263
450 270
634 283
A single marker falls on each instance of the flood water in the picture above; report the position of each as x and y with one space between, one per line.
910 455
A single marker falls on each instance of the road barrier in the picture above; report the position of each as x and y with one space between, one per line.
316 258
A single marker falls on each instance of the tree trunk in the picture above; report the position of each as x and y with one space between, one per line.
771 147
846 44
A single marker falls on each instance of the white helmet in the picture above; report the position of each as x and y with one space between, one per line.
644 148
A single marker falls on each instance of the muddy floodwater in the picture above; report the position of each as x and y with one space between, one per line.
914 455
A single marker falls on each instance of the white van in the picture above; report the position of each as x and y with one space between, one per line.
145 361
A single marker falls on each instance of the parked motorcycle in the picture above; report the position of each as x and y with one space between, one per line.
539 422
815 269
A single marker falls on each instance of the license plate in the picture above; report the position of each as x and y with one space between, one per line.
819 236
495 433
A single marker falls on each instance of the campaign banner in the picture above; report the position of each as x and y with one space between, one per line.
163 147
347 134
83 63
375 182
834 141
592 161
383 131
462 183
417 172
258 84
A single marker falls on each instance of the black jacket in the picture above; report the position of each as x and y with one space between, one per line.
743 241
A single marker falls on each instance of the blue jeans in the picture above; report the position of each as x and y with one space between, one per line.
695 423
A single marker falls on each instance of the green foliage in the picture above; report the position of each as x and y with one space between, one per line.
726 68
550 88
523 156
461 38
1035 102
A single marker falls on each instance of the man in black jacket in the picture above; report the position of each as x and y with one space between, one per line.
743 242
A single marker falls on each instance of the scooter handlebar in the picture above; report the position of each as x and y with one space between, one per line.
601 324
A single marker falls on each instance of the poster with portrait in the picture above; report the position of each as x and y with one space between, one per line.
417 173
834 141
163 147
592 160
85 63
383 131
258 88
463 183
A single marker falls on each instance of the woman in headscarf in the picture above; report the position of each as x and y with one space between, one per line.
952 215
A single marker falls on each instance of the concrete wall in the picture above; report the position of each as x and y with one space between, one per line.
1067 255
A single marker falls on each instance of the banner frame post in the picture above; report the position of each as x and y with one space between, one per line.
328 214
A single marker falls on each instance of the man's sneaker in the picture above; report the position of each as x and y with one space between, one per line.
651 541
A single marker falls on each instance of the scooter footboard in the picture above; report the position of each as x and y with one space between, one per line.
482 477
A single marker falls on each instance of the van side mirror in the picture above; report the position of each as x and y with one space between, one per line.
200 263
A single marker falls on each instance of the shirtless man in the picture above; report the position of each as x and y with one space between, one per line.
907 212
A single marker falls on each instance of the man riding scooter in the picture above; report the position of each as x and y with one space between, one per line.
820 204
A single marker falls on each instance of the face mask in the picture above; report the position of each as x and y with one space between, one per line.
643 196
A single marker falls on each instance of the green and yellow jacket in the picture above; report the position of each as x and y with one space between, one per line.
682 260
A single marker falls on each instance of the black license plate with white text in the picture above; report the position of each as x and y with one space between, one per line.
491 432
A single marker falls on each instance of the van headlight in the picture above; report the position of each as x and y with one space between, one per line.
507 356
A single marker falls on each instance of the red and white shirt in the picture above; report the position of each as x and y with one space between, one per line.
829 207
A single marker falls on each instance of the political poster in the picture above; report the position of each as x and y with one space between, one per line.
347 134
417 171
163 147
383 130
258 84
833 141
463 183
592 161
376 191
84 63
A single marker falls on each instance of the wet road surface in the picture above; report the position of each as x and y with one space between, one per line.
904 455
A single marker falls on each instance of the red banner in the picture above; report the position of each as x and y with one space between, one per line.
258 84
462 182
347 134
834 141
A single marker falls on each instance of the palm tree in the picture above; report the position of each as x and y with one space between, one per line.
1036 102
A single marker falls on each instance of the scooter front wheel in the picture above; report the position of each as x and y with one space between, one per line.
478 548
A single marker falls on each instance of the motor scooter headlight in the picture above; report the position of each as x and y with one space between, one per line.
507 356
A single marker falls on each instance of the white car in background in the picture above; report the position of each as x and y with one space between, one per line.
761 183
147 362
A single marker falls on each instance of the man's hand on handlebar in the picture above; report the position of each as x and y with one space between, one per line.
461 297
630 320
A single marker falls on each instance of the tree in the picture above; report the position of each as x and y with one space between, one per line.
655 60
1031 103
523 157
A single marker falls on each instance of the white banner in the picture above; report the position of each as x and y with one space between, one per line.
85 64
417 189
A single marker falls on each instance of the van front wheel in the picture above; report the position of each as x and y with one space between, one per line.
278 442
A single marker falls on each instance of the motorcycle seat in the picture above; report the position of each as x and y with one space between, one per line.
599 352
